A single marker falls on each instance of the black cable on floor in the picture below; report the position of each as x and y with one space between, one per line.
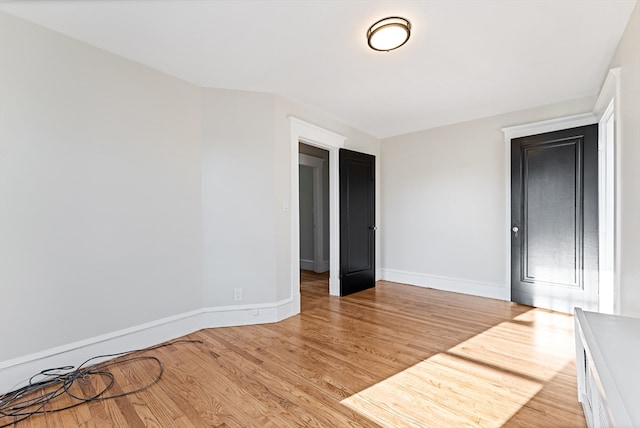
18 406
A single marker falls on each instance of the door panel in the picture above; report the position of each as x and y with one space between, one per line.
357 221
554 218
552 241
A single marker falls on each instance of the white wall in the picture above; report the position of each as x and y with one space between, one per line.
128 196
100 215
246 192
444 202
238 197
627 57
443 190
306 214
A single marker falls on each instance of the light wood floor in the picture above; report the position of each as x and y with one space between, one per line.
392 356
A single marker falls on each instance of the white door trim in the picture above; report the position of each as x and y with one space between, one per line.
607 109
317 165
524 130
307 133
606 209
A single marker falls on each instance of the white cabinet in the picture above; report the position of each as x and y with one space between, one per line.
608 364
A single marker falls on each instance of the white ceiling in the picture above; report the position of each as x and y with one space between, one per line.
466 59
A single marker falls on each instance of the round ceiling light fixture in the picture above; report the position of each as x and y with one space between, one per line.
389 34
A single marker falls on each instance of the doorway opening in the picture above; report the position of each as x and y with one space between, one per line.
313 178
312 135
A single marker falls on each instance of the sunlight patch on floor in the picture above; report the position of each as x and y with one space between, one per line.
482 381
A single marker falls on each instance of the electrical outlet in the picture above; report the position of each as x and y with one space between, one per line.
237 294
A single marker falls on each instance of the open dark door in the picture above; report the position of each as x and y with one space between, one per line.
554 219
357 221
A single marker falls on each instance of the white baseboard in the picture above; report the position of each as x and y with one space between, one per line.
227 316
456 285
306 264
310 265
16 372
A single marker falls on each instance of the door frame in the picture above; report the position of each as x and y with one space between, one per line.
606 106
313 135
525 130
317 165
607 110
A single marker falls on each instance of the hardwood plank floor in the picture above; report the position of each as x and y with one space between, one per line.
392 356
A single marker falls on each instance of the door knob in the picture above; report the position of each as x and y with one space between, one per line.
515 231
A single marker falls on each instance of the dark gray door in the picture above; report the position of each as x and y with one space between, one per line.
357 221
554 218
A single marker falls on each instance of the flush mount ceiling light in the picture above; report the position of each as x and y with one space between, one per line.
389 33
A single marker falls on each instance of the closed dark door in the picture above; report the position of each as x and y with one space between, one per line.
357 221
554 219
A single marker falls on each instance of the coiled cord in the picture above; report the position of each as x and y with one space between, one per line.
38 396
